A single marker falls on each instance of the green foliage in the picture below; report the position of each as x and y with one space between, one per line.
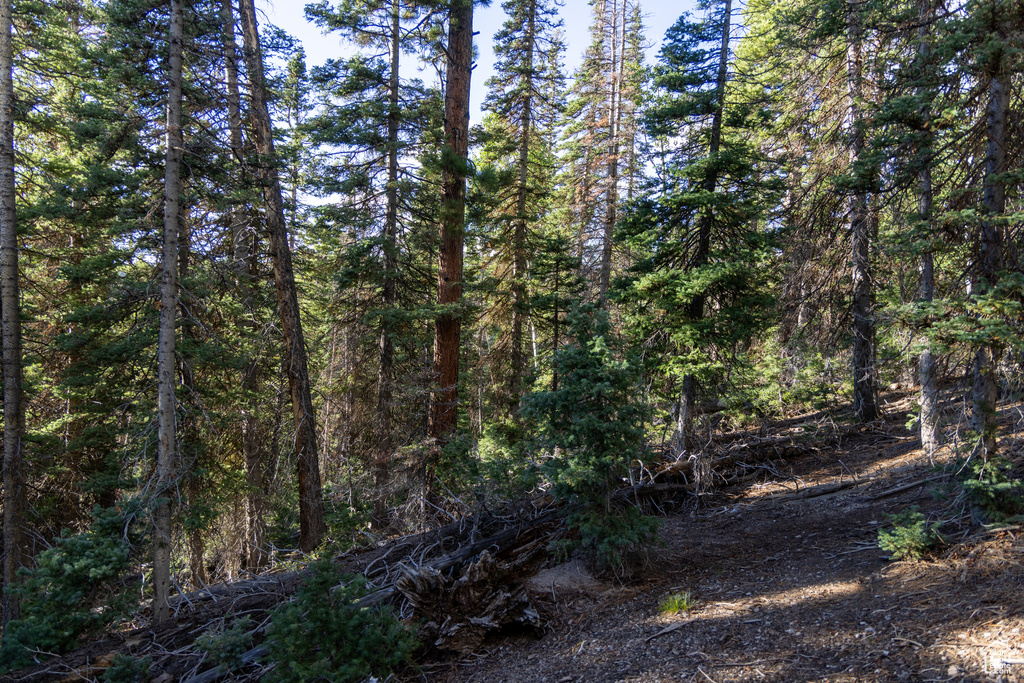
226 645
455 464
911 537
676 603
504 450
68 595
987 484
322 635
343 521
127 669
610 538
594 422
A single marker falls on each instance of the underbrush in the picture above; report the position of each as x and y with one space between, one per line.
911 537
323 635
76 590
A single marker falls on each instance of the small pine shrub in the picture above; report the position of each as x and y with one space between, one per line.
322 636
68 595
610 538
676 603
504 456
227 645
125 669
593 423
988 486
911 537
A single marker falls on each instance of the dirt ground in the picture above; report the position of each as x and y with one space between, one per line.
787 589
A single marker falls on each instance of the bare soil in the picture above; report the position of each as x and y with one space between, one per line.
787 589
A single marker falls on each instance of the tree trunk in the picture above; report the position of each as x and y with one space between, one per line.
514 388
10 302
167 452
311 504
253 553
688 397
864 384
386 372
443 406
990 243
612 189
931 434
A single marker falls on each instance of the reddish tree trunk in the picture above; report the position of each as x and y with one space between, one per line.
448 326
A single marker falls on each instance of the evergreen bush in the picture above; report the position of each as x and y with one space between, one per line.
988 486
911 537
593 423
68 595
322 635
227 645
504 452
127 669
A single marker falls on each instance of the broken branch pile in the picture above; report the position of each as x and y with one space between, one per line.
463 580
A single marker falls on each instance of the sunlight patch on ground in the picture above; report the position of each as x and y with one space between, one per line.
753 604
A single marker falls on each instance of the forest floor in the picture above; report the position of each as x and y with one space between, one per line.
780 558
789 589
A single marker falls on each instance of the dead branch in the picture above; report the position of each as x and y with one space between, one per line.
907 487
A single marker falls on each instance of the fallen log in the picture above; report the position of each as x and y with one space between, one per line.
818 491
169 643
357 562
906 487
499 543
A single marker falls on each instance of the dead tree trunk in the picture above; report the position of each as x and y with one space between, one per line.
311 504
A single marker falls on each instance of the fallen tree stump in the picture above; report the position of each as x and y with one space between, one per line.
457 615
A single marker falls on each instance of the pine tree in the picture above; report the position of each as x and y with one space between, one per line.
454 170
865 381
593 422
931 434
994 22
10 302
381 117
696 227
599 137
167 458
525 98
311 510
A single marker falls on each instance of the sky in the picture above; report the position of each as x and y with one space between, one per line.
659 15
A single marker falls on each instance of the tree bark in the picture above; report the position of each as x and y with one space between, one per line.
931 435
448 325
386 372
990 240
10 302
864 373
167 452
253 555
311 505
